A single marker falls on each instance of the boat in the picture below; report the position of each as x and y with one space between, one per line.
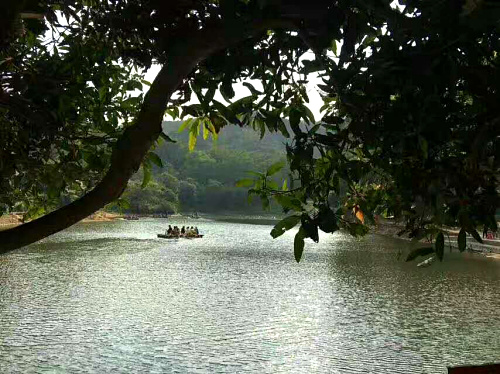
164 236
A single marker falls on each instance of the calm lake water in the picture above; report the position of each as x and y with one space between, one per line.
111 297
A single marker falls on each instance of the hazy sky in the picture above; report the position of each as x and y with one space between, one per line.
315 101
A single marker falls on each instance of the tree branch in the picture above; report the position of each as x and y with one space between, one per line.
138 138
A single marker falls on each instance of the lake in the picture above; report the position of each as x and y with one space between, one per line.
111 297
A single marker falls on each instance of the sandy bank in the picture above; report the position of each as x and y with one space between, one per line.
101 216
17 219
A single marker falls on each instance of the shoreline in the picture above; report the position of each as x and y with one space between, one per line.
16 219
490 247
102 216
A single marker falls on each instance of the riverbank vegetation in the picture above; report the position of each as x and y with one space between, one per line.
409 127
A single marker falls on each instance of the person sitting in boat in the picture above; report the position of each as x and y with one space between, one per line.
175 231
169 230
196 231
183 230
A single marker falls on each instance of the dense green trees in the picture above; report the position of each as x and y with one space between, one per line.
204 180
409 127
154 198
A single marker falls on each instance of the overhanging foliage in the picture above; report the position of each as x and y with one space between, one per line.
409 125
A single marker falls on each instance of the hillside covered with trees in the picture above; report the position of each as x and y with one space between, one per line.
204 180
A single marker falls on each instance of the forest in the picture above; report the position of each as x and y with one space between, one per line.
204 180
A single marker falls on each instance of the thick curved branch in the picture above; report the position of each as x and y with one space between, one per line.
138 138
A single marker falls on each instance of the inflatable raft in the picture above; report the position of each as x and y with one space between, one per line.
163 236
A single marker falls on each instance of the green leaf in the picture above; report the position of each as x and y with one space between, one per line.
209 97
314 129
327 220
195 126
194 110
206 132
192 141
174 112
439 246
213 130
310 228
308 114
224 111
282 128
475 235
462 240
256 173
310 66
284 225
333 47
423 251
294 117
155 159
147 175
185 124
252 89
193 134
245 182
368 40
285 186
289 202
227 91
298 244
274 168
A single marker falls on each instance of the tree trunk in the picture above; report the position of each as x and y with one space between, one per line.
138 138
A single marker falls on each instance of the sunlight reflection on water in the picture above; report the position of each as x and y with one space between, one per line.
111 297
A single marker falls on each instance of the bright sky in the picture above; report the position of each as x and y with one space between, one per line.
315 101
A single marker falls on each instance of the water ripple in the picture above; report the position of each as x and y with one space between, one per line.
111 297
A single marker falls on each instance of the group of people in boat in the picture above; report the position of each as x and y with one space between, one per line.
187 232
